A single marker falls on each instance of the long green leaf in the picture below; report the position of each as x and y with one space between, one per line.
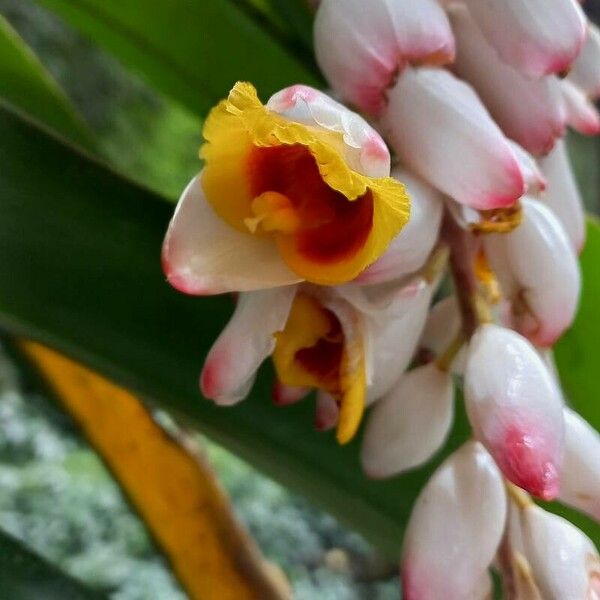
85 278
25 83
192 50
26 576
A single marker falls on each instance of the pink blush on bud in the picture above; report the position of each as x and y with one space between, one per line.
525 456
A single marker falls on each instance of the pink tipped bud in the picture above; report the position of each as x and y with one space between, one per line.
455 528
406 427
537 37
361 47
580 112
586 69
411 247
515 408
580 480
535 181
538 272
562 194
441 130
564 562
528 111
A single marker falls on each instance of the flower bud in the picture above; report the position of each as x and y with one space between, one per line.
580 112
528 111
408 425
538 273
562 194
535 181
515 408
360 46
455 527
563 560
441 130
585 72
538 37
580 479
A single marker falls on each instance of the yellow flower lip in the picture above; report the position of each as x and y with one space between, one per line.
268 176
311 351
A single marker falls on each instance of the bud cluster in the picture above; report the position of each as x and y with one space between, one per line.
337 254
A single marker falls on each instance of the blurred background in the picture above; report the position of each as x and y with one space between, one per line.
55 494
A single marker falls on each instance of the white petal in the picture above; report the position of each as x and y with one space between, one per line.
581 114
247 340
563 559
203 255
441 130
585 72
528 111
455 527
535 181
540 259
411 247
580 480
515 408
360 46
537 37
562 194
392 331
408 425
364 149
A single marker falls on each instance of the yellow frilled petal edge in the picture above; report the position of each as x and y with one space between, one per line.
241 122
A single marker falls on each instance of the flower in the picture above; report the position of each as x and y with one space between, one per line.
537 37
408 425
562 195
362 47
515 409
580 480
295 190
538 273
350 343
548 556
455 528
527 110
441 130
585 71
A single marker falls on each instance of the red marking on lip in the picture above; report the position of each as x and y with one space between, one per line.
332 227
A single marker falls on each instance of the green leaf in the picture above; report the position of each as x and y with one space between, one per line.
578 352
25 83
85 277
26 576
192 50
577 357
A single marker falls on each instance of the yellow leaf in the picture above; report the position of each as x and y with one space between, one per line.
173 489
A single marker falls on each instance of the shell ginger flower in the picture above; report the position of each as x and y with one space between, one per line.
297 190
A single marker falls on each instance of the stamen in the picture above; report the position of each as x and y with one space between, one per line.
273 212
499 220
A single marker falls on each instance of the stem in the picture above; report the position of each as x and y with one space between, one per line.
463 251
444 360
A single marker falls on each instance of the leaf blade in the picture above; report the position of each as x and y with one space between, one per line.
192 51
25 83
